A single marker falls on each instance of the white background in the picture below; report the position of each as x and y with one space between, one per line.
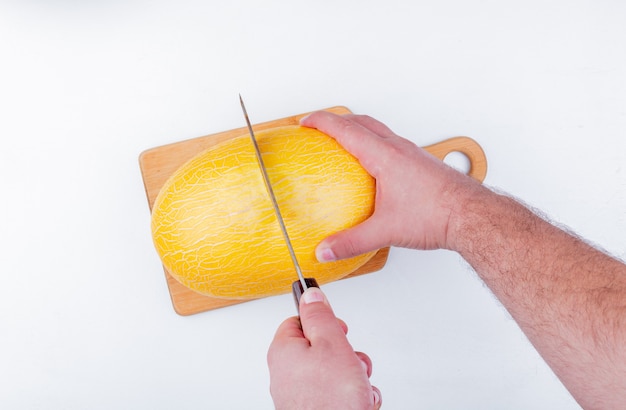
85 86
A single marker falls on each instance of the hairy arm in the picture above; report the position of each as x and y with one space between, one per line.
568 297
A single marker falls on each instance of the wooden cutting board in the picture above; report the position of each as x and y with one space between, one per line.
158 163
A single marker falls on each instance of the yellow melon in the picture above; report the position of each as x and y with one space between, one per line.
214 227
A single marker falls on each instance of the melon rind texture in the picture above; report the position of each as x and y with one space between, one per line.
214 227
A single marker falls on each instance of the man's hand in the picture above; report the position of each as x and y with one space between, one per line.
416 193
567 297
313 366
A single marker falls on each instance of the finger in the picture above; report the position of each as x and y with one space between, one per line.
373 125
359 141
343 325
367 362
289 328
365 237
318 320
378 398
288 332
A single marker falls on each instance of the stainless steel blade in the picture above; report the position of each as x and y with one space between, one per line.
270 191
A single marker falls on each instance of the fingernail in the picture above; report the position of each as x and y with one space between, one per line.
313 295
325 254
304 118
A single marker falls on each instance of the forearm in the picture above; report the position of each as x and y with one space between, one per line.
567 297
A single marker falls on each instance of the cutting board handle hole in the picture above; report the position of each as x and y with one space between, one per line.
458 161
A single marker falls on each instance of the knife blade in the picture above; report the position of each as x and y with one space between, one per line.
300 285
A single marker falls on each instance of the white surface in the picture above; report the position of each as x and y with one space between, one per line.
86 86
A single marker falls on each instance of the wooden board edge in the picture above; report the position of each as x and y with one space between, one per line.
186 302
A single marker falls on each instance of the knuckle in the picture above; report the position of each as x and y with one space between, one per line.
351 247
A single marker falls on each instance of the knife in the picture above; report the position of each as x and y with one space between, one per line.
299 286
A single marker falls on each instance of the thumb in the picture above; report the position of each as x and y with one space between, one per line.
317 318
365 237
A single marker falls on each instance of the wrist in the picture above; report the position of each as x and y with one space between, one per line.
466 200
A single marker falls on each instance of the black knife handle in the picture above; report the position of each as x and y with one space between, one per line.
298 290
